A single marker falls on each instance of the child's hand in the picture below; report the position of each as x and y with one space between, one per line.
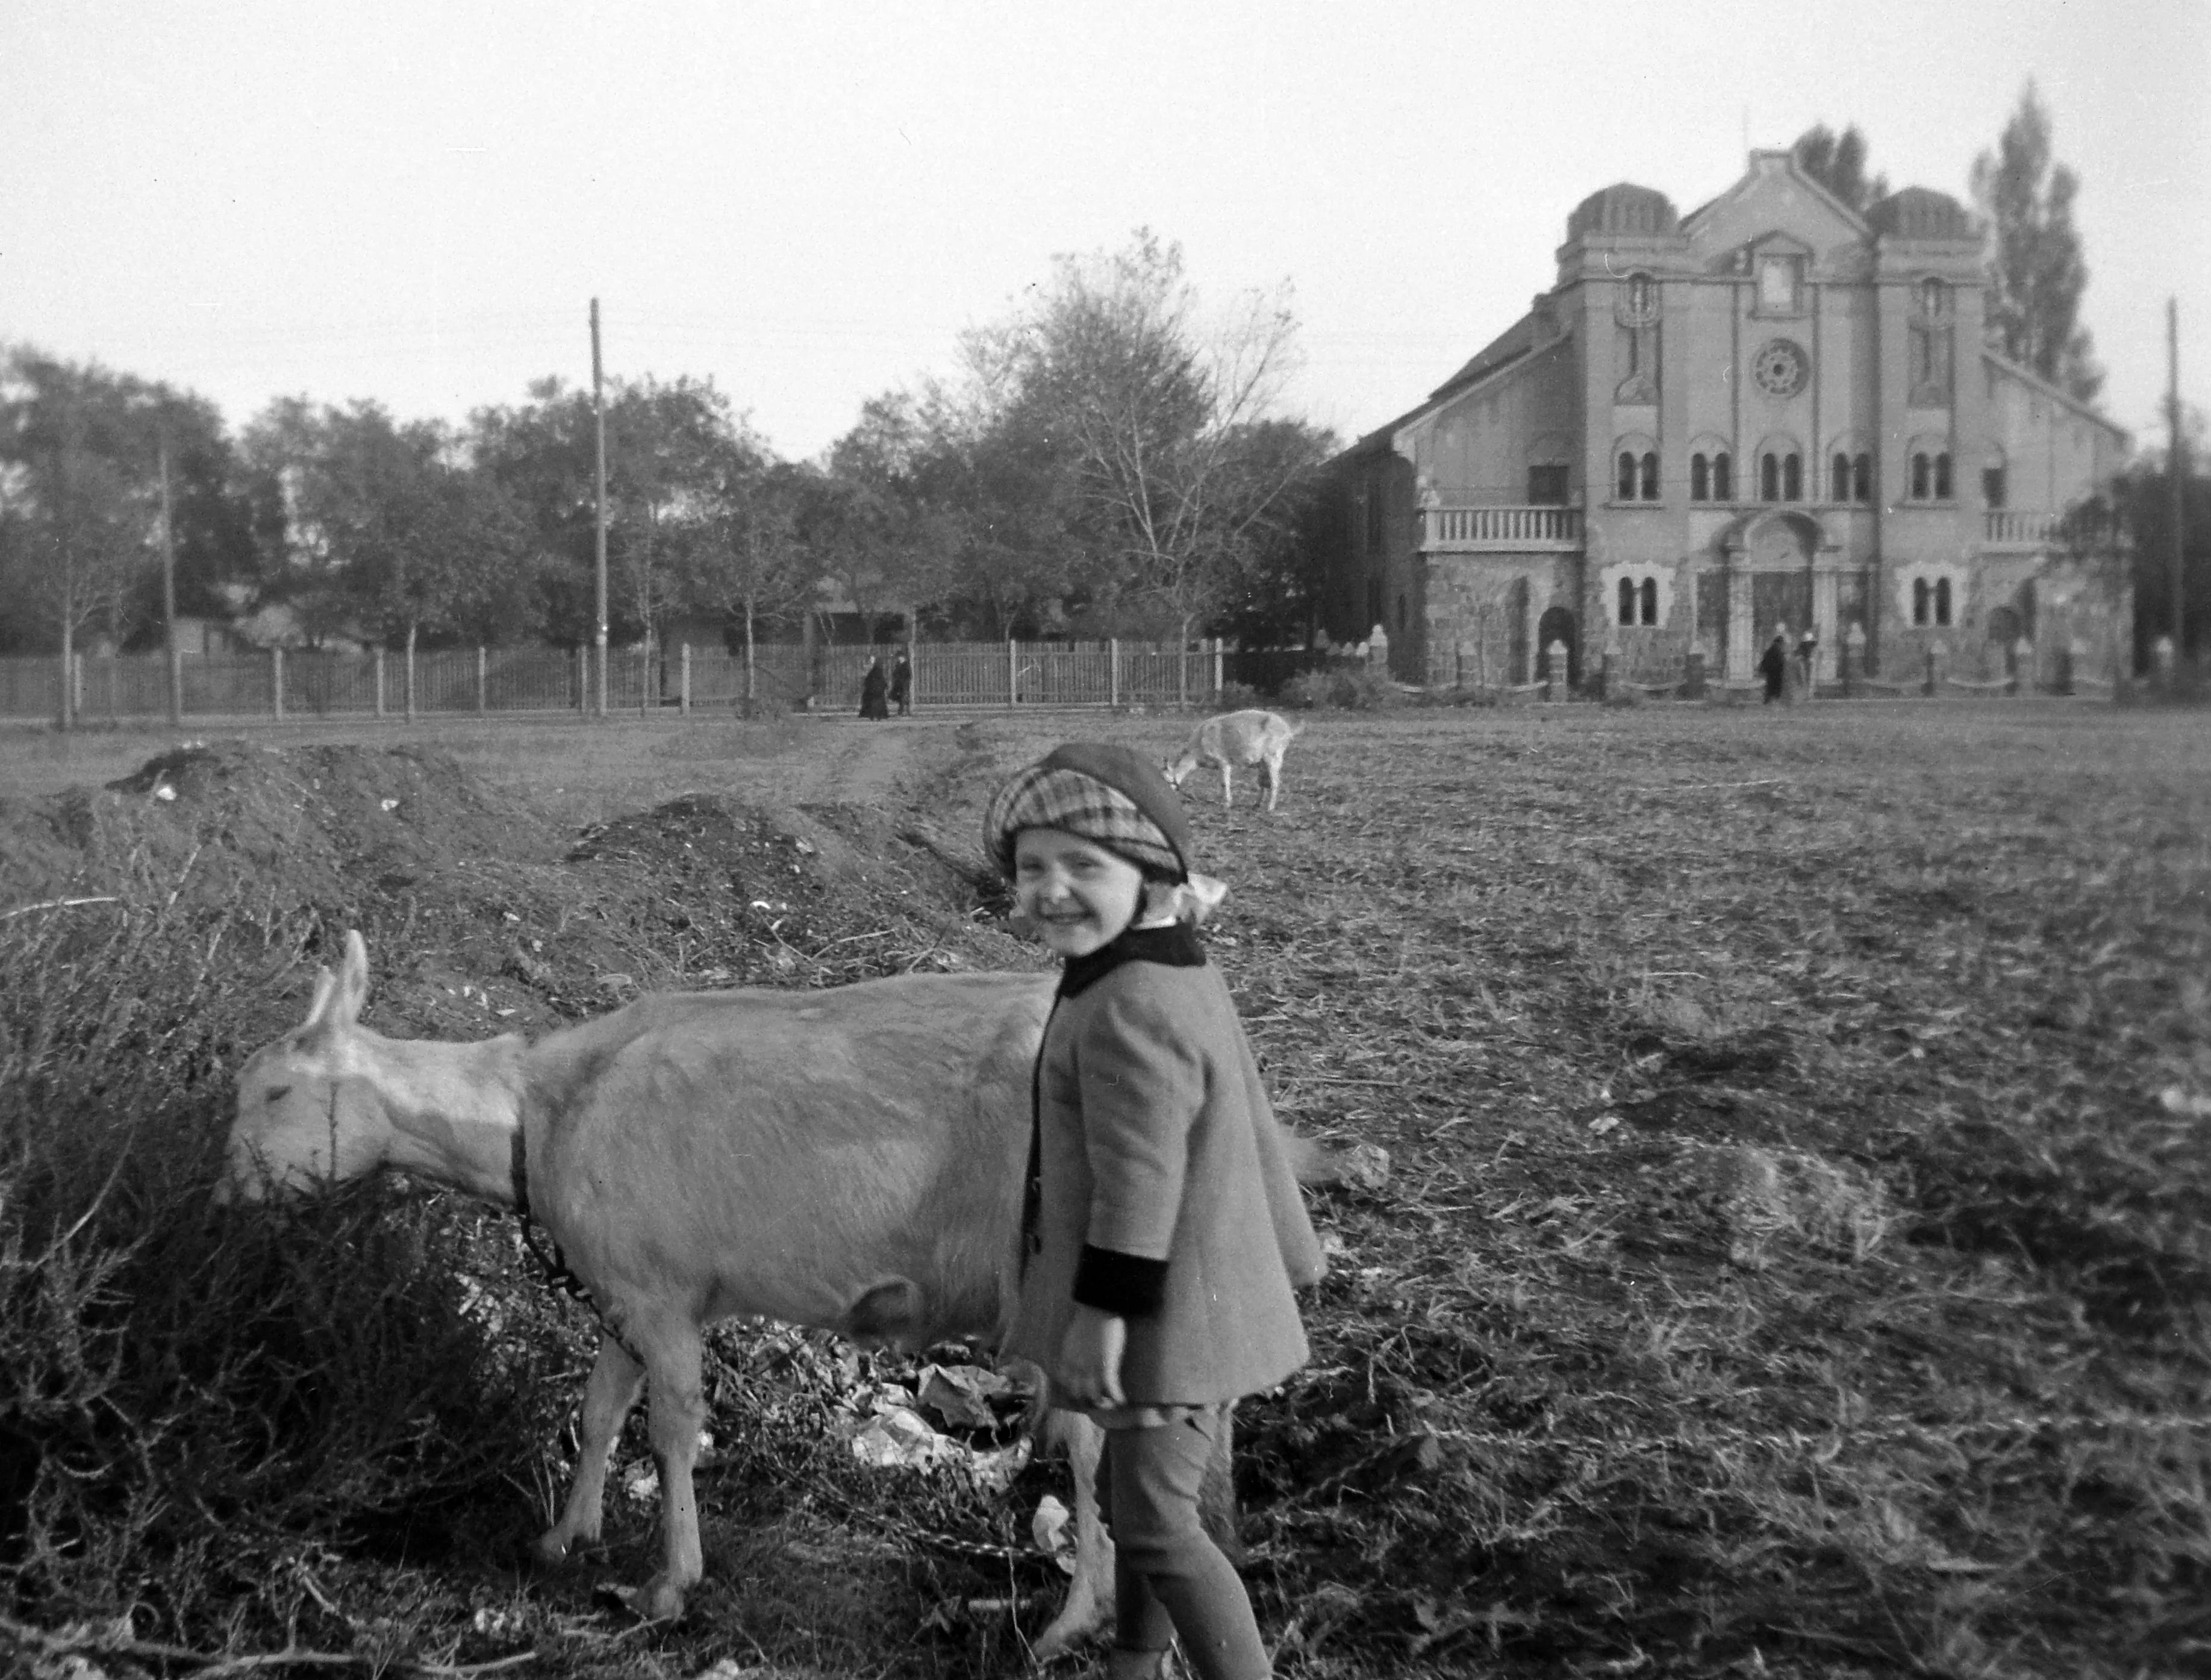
1090 1357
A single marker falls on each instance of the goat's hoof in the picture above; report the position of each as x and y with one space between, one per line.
1074 1624
658 1600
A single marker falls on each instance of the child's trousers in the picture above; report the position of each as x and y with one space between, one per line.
1168 1576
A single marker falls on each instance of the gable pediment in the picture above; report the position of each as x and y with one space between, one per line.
1773 201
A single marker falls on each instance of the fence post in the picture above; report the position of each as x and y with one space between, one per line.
176 684
410 682
1216 668
683 691
483 680
1113 672
379 681
1013 672
582 677
76 685
277 682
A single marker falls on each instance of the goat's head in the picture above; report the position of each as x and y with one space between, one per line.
1177 769
305 1113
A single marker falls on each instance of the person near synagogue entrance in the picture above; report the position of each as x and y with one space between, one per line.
1163 1231
1774 667
902 684
1807 645
872 689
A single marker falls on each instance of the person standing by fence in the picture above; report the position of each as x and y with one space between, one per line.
872 690
902 684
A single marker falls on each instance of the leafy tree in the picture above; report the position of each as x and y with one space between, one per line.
388 531
1006 494
2135 527
542 457
81 454
756 569
2037 272
1837 162
667 448
873 524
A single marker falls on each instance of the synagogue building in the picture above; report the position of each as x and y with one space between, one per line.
1770 415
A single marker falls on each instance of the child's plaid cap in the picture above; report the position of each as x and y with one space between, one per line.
1109 795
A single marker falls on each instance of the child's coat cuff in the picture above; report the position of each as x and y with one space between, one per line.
1126 1285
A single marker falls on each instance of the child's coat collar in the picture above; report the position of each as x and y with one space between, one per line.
1175 946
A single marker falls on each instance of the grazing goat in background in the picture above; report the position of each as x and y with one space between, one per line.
851 1160
1233 738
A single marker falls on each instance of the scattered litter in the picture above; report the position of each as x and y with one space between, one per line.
961 1394
1053 1530
897 1437
1365 1165
508 915
390 804
1604 1123
642 1482
163 790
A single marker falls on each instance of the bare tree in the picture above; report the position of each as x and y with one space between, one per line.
1164 416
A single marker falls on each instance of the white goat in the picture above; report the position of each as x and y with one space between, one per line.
1233 738
850 1158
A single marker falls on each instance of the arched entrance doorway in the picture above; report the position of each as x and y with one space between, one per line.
1557 625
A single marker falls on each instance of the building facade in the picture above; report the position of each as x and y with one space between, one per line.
1771 414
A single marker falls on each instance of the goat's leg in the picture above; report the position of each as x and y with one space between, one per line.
1090 1599
1271 773
612 1391
677 1411
1227 795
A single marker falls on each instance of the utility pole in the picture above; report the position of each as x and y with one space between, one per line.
2176 476
599 532
169 590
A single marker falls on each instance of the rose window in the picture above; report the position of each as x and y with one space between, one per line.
1780 369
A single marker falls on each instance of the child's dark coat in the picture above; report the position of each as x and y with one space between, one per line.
1156 1142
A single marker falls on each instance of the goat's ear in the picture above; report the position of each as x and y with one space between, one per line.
1206 893
325 984
352 988
1190 901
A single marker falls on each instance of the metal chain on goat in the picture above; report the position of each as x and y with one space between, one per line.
559 1275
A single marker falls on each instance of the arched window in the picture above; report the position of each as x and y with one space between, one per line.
1942 600
1723 477
1628 601
1700 478
1919 479
1648 597
1842 479
1919 599
1627 482
1651 476
1792 477
1942 477
1862 478
1934 298
1769 477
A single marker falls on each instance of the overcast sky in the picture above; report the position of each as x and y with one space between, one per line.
416 202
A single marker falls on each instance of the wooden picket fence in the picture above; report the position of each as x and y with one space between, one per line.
295 685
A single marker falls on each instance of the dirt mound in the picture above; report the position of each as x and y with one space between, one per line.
481 914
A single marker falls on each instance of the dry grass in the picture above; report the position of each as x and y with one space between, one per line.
1788 1265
